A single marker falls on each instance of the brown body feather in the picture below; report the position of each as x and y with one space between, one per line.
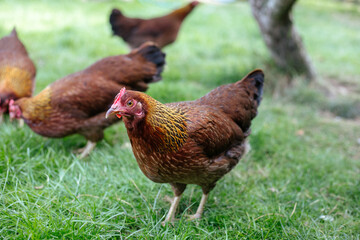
77 103
17 71
195 142
161 30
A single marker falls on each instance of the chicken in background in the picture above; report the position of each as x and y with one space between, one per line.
160 30
78 103
195 142
17 71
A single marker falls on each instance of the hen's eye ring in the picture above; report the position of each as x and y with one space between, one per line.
129 103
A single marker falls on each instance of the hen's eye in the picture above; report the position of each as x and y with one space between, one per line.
129 103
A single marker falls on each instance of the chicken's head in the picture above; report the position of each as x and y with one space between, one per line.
14 110
127 104
194 3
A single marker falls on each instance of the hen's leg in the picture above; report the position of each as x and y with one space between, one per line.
86 150
1 117
21 122
200 209
178 189
172 210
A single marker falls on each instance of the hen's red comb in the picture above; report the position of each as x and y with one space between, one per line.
11 104
118 97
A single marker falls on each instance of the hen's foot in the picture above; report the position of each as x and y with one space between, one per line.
85 151
168 199
200 209
78 151
171 222
194 217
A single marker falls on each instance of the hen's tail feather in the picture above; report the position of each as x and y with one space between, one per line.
13 32
153 54
256 79
115 13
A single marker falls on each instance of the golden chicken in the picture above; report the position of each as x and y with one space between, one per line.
17 71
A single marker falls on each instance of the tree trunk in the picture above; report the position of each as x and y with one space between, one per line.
281 36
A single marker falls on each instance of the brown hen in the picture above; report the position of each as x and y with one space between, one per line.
78 103
161 30
194 142
17 71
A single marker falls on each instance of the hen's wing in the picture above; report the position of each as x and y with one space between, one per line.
83 95
212 130
138 68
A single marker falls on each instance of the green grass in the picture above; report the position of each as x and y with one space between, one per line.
304 164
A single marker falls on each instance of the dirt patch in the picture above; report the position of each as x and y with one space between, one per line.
331 117
336 88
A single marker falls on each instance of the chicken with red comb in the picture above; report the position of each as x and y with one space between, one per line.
194 142
77 103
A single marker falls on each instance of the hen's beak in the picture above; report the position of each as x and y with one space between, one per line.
112 111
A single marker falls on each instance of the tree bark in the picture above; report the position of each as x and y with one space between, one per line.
281 37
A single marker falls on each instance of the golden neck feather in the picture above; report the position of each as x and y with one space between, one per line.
16 79
182 12
167 126
38 107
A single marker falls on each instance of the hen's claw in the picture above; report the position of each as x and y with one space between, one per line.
200 209
194 216
168 199
85 151
171 222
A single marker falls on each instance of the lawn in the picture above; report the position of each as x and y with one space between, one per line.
301 180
